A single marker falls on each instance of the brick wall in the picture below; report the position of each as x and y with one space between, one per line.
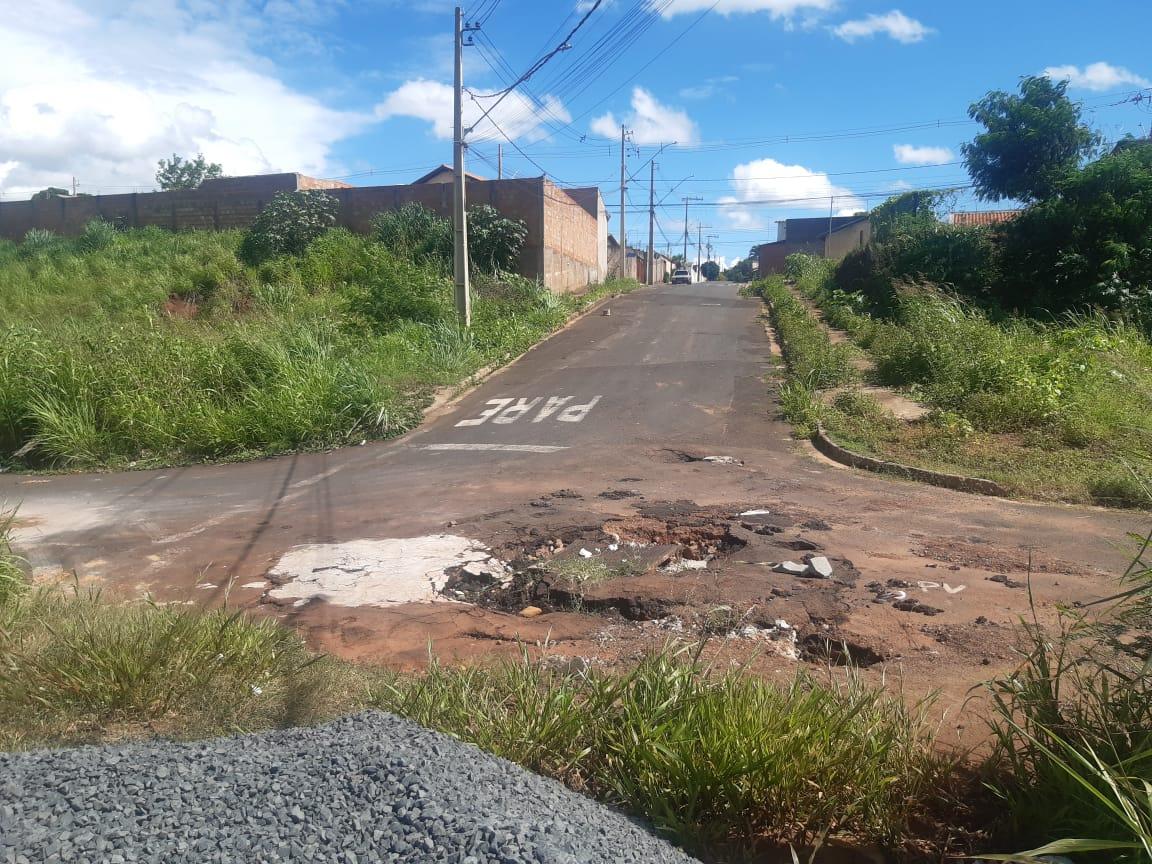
562 248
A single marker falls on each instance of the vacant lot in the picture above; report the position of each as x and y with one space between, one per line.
1056 411
151 348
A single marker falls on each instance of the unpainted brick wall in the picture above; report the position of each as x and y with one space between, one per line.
562 248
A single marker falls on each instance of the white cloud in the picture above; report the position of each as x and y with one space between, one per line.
775 8
92 92
650 122
910 154
766 183
895 24
517 115
708 88
1097 76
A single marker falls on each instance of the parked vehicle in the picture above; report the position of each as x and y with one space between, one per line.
681 277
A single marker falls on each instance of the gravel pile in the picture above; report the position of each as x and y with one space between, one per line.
367 788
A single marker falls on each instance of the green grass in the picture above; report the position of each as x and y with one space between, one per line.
1073 731
153 348
721 762
1052 410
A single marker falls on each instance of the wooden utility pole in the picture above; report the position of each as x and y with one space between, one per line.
459 202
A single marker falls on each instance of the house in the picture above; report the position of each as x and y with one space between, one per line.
979 219
443 174
826 237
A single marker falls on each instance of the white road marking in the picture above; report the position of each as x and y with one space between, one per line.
501 448
503 411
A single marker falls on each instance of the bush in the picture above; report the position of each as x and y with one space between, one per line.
494 242
395 289
97 235
39 241
290 222
1089 245
416 233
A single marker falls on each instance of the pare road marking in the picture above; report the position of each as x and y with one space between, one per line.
506 411
498 448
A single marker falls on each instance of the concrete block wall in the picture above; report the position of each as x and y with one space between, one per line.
563 247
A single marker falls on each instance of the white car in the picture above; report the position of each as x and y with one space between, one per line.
681 277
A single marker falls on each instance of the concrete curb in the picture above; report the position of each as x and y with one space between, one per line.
974 485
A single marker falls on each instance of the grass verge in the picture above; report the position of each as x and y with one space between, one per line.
174 351
1055 411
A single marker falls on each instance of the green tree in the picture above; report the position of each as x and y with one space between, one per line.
1032 142
180 173
741 271
710 270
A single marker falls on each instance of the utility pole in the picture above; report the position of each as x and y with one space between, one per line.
459 202
652 225
623 212
73 185
686 199
499 161
699 243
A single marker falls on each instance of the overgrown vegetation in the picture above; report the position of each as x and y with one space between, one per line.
721 762
152 348
1055 410
1073 728
1029 338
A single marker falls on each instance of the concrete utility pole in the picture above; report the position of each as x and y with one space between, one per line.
499 161
699 243
459 203
686 199
623 204
651 280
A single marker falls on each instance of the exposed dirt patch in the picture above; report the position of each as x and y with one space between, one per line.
982 556
180 307
839 651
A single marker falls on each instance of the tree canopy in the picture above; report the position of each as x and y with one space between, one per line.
1031 143
181 173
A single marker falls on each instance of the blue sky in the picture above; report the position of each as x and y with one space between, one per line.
779 107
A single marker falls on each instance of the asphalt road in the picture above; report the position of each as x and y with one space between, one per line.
672 370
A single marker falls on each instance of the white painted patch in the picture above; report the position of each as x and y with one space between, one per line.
374 572
506 411
955 590
496 448
199 528
756 513
253 584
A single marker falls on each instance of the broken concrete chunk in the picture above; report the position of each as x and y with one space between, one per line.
584 553
791 568
819 566
722 460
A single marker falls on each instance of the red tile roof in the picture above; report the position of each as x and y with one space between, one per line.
973 219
